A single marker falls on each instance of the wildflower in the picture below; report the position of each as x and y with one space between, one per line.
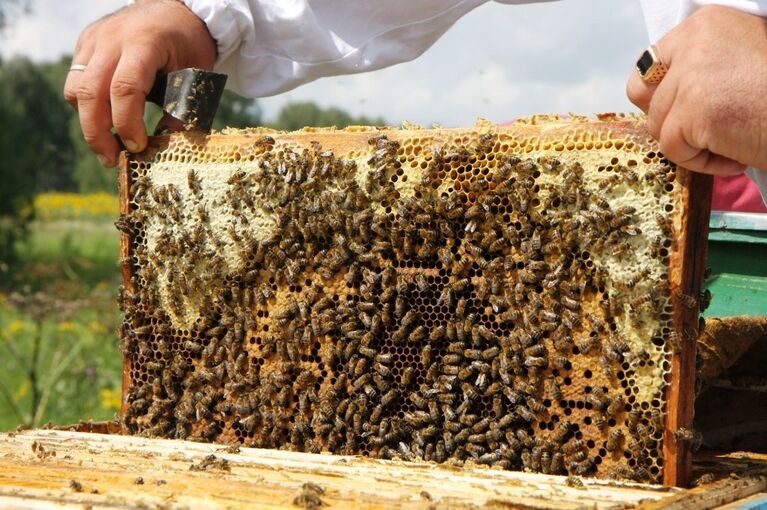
16 327
110 399
96 327
22 391
66 326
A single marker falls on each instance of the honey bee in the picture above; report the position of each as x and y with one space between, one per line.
418 333
584 467
665 225
194 183
407 376
704 479
536 362
614 439
615 406
585 344
552 388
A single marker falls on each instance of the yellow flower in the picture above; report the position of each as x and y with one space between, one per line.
96 327
110 399
66 326
22 392
72 206
16 327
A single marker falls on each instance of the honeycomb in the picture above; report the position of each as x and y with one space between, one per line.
496 295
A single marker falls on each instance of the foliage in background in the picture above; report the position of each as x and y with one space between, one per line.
298 115
59 358
34 143
237 111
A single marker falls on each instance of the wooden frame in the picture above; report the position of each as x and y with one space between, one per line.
686 266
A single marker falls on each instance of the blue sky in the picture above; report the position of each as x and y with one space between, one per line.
498 62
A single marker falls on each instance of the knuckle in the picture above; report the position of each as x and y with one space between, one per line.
91 136
70 96
125 87
86 93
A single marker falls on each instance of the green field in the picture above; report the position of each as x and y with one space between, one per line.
59 352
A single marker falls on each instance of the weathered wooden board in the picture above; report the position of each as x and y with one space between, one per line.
37 469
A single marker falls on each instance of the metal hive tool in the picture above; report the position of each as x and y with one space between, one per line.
522 296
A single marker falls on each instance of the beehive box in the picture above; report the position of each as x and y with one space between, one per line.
523 297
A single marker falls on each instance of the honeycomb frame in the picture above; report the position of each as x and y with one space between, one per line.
549 386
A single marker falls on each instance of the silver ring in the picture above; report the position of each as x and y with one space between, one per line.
77 67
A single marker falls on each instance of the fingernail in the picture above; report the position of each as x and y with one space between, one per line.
131 145
105 161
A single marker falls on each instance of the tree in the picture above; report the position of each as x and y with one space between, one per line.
34 142
237 112
298 115
9 8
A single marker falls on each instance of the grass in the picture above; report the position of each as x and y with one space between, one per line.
59 356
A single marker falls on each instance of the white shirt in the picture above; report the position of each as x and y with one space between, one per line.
271 46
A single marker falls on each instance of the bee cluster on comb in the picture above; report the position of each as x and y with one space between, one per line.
501 295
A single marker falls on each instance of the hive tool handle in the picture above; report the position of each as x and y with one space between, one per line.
189 95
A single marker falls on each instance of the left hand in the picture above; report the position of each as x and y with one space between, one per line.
709 113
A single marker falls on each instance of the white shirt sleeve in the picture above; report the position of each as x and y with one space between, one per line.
270 46
663 15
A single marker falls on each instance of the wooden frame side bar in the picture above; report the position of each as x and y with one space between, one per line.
126 241
688 263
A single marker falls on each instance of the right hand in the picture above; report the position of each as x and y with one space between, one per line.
123 53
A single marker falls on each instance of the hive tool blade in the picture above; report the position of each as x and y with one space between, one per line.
190 96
